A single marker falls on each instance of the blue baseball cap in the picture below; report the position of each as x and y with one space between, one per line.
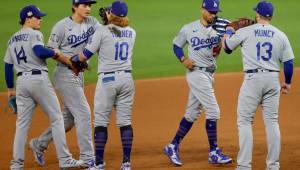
30 11
264 8
119 8
75 2
211 5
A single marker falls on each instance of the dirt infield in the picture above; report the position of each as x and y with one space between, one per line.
159 106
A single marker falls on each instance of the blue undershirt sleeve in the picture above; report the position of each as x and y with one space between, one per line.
178 51
43 52
9 75
88 54
288 67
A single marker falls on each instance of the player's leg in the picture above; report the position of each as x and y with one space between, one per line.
103 105
191 114
124 103
25 106
248 101
72 91
46 97
270 105
201 85
42 142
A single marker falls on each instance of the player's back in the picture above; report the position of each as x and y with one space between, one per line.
115 51
264 47
20 50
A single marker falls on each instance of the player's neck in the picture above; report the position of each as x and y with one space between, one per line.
264 22
203 21
77 18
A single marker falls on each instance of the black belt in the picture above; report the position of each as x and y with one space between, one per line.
33 72
206 69
260 70
113 72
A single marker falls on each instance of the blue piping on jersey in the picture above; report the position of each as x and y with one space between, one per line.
43 52
288 71
88 54
9 75
178 51
226 48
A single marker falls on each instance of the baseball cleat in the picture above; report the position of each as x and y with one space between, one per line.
97 167
172 152
125 166
72 164
217 157
88 163
38 155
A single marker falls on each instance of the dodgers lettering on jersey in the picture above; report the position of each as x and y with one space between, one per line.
71 37
262 46
19 51
114 51
200 40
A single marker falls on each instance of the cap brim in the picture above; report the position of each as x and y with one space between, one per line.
41 14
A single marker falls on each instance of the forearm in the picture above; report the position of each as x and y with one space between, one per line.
288 71
9 75
178 51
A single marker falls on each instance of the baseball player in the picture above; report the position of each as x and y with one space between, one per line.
70 35
201 64
115 87
263 48
27 54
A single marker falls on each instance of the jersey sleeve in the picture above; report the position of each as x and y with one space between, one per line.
235 40
94 43
8 58
287 51
181 38
56 36
37 39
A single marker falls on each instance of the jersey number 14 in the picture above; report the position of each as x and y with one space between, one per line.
267 46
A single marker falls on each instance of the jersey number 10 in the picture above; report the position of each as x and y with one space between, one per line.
267 46
121 51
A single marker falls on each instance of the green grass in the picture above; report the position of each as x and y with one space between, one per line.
156 23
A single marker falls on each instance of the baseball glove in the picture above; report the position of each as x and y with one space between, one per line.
241 23
12 102
77 65
103 16
219 24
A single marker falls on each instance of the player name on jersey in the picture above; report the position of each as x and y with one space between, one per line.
17 38
124 33
263 33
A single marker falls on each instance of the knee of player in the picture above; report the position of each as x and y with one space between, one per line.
190 117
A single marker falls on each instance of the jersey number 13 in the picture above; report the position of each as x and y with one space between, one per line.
267 46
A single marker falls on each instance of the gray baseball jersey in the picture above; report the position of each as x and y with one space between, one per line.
71 37
263 48
32 88
115 86
200 40
23 60
105 42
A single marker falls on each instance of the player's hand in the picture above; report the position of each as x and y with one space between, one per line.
217 50
188 63
285 88
11 92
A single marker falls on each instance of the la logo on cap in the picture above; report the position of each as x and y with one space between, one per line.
29 14
215 4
